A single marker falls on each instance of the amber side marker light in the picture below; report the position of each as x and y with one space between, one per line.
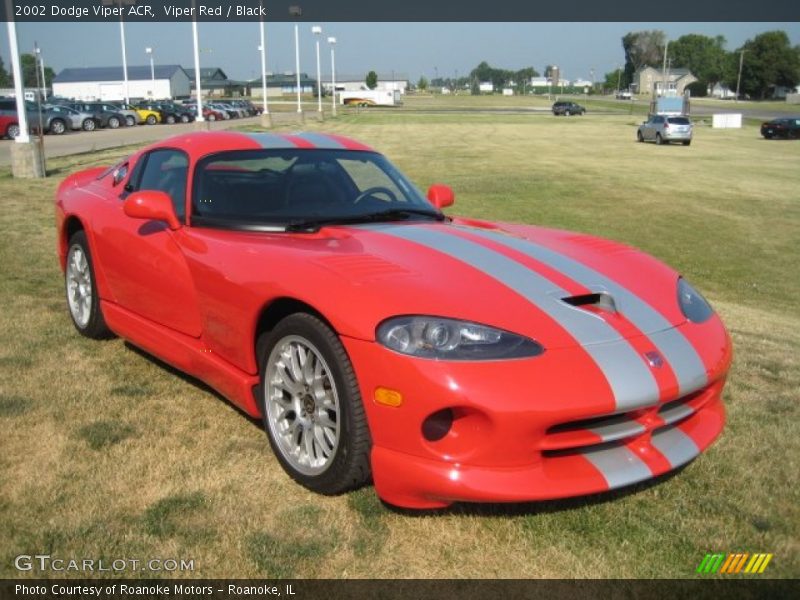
388 397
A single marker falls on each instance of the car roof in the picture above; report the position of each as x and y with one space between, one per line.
201 143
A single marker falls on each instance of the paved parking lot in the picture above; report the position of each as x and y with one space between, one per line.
77 142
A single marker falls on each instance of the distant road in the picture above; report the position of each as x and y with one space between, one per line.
102 139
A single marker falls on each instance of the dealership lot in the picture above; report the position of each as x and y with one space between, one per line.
139 462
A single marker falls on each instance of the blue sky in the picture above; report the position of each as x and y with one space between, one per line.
413 49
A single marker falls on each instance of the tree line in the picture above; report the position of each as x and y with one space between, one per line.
768 60
29 66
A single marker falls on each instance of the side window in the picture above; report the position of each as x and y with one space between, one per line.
166 171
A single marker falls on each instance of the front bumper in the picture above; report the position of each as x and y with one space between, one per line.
530 429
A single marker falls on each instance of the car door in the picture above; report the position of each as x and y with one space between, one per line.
649 132
148 274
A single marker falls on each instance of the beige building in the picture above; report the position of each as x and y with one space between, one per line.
648 79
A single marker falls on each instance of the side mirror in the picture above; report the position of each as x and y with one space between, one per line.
152 205
441 195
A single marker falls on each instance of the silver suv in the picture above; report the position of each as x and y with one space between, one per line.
663 129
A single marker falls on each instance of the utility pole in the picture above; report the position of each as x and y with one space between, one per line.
739 77
664 71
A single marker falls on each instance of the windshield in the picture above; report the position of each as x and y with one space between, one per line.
288 187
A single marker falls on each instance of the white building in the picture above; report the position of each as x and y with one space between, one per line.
486 87
354 83
107 83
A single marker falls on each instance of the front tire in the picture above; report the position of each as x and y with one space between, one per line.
130 121
184 118
80 285
151 120
311 406
639 136
57 127
170 119
113 123
12 131
89 125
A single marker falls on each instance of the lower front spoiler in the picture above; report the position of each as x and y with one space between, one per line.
413 482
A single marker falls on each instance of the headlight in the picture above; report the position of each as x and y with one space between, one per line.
450 339
693 305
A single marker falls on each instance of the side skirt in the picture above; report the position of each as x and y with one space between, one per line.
185 353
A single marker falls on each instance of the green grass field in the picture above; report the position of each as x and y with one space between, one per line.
106 453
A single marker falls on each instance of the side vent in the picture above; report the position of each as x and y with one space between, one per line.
601 300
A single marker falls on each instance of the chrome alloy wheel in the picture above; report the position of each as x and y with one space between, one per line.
302 405
79 286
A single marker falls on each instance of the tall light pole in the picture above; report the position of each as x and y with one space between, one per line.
22 114
263 48
296 11
124 56
40 60
332 42
149 52
739 77
317 31
197 82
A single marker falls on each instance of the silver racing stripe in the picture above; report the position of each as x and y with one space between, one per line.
631 381
270 140
618 465
670 342
321 140
677 447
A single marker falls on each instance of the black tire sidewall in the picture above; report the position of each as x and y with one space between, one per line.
338 477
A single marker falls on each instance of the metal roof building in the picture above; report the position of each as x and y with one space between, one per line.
107 83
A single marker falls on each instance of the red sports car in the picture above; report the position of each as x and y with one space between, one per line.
305 278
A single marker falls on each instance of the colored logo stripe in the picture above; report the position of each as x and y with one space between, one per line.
732 564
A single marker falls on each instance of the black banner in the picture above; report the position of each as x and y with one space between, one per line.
401 10
132 589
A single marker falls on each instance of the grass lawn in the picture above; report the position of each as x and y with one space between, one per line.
106 453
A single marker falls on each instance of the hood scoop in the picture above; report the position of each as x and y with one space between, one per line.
595 301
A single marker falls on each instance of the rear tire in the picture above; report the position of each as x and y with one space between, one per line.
184 118
311 406
170 119
687 142
639 137
80 285
659 139
113 123
89 125
12 131
566 113
130 121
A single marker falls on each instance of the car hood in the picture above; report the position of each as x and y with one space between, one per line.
557 287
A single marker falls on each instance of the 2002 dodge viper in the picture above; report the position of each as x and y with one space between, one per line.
448 359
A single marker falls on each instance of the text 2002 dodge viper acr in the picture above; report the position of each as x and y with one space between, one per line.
306 279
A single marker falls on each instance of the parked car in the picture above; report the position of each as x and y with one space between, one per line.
75 118
785 127
52 122
209 113
663 129
309 282
105 118
144 115
131 115
170 113
567 108
624 95
247 107
9 124
227 113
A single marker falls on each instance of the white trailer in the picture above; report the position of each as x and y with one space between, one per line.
371 98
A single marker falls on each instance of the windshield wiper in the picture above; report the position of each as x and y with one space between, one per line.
392 214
